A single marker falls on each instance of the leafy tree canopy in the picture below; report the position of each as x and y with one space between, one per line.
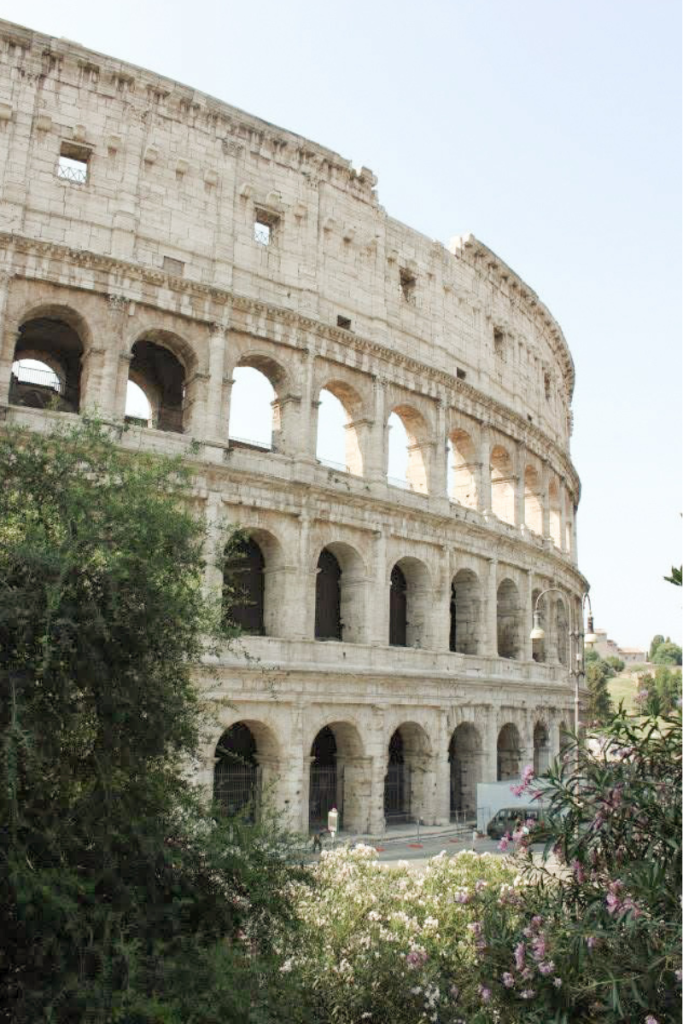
123 900
667 653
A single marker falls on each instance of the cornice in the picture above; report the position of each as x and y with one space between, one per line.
484 406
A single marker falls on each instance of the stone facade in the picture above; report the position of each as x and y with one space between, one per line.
152 233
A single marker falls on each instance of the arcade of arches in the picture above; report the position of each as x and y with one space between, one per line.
412 774
157 387
340 587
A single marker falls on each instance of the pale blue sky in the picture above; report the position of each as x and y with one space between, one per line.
549 128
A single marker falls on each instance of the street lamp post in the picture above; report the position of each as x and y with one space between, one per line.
580 639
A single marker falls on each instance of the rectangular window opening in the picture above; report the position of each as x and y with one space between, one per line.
264 227
343 321
498 342
460 374
408 284
546 386
72 165
173 266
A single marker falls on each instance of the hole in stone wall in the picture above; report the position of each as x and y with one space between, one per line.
72 165
343 321
408 284
265 224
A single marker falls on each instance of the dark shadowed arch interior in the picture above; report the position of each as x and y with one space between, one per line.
464 625
465 757
325 780
47 368
509 753
398 608
161 376
328 624
508 618
236 771
243 587
541 748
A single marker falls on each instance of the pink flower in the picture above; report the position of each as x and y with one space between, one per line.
485 994
528 993
557 982
520 952
590 941
416 958
539 947
508 980
579 873
651 1020
547 967
504 843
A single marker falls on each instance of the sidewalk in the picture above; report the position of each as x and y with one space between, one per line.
406 833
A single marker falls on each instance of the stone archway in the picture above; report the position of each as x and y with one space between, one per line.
465 760
338 777
509 753
406 786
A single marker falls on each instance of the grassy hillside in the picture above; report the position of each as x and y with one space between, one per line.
625 686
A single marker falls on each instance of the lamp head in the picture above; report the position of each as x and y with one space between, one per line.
590 638
537 633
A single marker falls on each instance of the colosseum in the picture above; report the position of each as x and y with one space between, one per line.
156 241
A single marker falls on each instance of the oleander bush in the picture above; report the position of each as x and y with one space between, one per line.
591 933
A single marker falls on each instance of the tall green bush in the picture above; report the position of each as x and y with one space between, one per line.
123 900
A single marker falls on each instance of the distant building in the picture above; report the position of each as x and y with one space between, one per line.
607 648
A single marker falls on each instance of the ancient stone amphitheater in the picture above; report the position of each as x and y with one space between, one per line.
152 234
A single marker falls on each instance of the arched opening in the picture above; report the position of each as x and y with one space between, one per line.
46 372
138 406
465 758
244 587
541 749
502 485
533 505
462 469
404 789
508 617
161 376
338 442
236 774
325 780
410 604
509 753
561 633
338 778
538 647
328 621
255 414
554 512
398 609
464 626
407 465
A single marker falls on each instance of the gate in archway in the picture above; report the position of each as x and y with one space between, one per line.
326 792
236 787
397 794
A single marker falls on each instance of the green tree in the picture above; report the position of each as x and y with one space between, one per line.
616 663
667 653
123 900
599 709
656 641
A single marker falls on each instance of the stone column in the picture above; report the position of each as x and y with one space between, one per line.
194 406
299 427
441 611
376 450
303 596
484 472
520 466
378 609
9 342
574 539
545 498
93 364
113 382
357 792
442 799
526 649
489 772
213 554
563 517
438 476
491 604
216 428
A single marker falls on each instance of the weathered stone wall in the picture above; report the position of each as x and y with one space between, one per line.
157 245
